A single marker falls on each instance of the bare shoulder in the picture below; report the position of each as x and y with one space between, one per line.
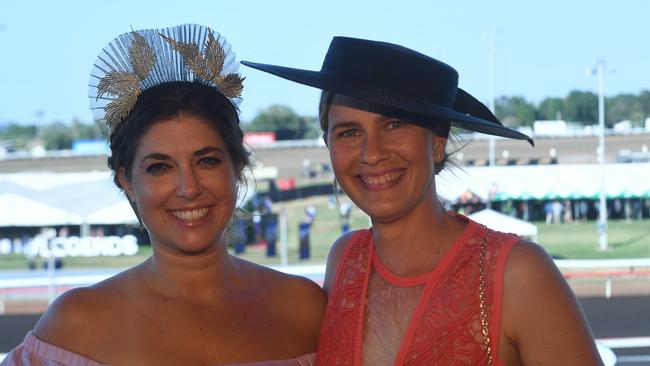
531 277
336 252
300 289
298 302
536 296
303 300
528 261
302 305
282 285
73 318
67 315
304 289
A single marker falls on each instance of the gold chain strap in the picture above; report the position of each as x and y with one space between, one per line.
481 295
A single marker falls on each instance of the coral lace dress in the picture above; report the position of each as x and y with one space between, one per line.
375 317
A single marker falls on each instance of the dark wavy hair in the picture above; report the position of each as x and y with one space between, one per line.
168 100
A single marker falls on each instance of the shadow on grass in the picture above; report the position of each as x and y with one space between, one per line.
630 241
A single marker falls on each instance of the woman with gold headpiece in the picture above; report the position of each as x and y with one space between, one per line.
170 100
425 286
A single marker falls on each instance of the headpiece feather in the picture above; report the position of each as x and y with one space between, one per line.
190 53
125 85
142 56
118 82
214 56
209 66
231 85
119 108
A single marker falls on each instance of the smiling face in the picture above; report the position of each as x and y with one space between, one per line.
183 184
385 165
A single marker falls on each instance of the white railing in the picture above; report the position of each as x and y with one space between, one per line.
315 272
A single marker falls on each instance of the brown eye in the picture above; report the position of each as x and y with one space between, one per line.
396 123
209 161
157 169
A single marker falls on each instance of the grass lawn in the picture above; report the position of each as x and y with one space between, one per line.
570 241
15 261
580 241
324 231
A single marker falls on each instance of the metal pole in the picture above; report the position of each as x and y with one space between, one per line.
51 263
492 49
491 39
283 237
602 217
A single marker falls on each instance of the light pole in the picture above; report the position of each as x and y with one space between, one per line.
491 38
492 49
599 70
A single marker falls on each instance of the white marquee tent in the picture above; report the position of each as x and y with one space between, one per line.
40 199
61 199
17 210
48 199
115 214
504 223
546 182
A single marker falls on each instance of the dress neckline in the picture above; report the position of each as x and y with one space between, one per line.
420 279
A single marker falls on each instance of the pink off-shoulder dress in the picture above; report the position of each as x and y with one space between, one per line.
35 352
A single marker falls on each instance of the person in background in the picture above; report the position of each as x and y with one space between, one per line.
310 214
568 212
169 97
548 210
345 213
425 286
557 208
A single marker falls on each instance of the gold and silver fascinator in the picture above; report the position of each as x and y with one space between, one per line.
138 60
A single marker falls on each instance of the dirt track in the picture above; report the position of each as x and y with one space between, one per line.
289 161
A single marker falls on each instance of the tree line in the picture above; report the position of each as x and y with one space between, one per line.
286 124
578 107
53 136
515 111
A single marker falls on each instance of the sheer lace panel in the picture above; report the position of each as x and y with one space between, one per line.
387 314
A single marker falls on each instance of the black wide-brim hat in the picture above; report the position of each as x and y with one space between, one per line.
399 78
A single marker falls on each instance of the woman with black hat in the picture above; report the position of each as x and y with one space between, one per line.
425 286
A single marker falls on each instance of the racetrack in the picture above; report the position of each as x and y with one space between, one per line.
580 150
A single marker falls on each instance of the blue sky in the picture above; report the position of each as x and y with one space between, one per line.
543 47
